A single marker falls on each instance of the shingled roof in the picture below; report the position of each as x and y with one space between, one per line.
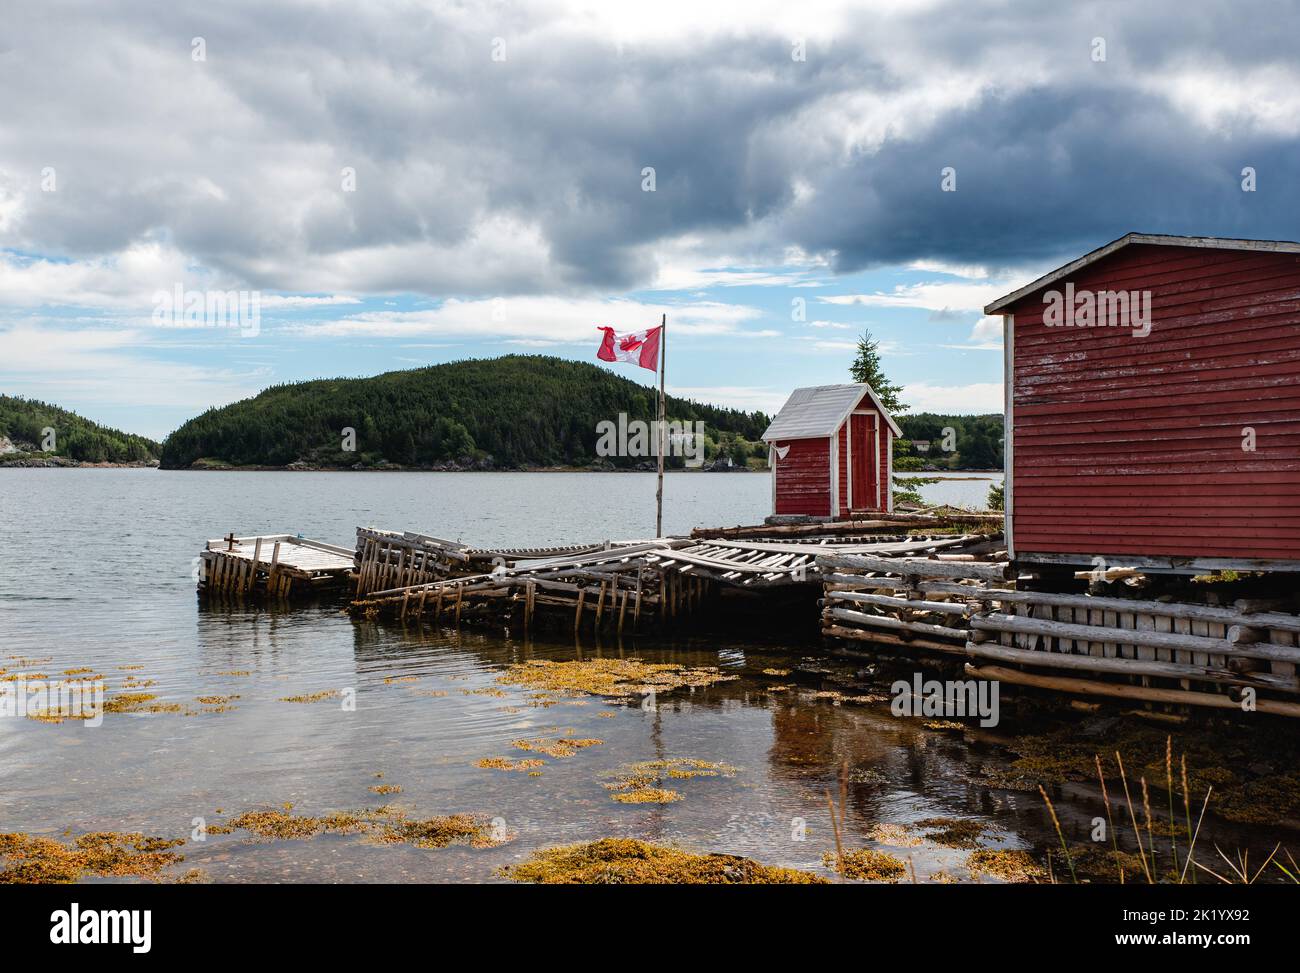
819 410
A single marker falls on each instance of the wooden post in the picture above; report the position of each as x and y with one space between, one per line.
460 595
257 558
663 425
272 576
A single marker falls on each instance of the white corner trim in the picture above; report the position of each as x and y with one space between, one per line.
835 473
1008 443
889 475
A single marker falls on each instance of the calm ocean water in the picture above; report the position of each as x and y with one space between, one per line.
96 572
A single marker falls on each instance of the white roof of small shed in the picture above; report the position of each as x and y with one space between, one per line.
820 410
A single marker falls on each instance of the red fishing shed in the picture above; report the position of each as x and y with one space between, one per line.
831 449
1164 434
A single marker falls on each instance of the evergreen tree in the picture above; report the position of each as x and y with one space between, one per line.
24 422
866 368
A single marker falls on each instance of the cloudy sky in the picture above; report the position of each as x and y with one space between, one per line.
407 183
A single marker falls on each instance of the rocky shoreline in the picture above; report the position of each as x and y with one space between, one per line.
468 466
63 462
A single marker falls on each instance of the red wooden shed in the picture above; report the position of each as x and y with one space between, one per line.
831 449
1162 430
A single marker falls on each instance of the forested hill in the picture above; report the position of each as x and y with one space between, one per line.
955 442
503 413
41 433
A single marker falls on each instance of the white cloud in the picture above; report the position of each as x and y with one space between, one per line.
828 344
746 397
125 282
969 271
109 369
273 301
985 336
977 398
1228 99
682 278
121 280
544 319
932 295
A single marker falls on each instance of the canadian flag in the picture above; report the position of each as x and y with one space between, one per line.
638 347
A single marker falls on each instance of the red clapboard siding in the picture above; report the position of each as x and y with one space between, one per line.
1129 445
803 480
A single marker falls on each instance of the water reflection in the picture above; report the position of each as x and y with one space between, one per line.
428 704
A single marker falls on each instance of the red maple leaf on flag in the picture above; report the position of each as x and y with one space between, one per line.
638 347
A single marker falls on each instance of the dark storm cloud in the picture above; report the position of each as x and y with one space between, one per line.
525 176
1050 172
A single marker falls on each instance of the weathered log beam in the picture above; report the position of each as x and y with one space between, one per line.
917 566
1089 687
1172 609
888 601
1131 667
886 621
884 638
1021 625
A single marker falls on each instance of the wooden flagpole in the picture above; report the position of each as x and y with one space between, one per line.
663 425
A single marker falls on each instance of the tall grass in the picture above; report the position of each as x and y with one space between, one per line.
1238 867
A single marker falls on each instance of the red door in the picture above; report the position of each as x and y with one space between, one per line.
862 466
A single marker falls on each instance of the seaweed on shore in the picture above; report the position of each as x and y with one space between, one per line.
640 783
102 854
612 678
384 825
626 861
955 832
1007 865
866 864
558 747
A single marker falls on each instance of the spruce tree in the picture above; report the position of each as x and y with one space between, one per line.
867 368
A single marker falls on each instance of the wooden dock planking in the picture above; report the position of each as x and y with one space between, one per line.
663 580
275 565
884 584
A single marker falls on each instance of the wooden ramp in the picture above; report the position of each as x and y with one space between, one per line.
274 565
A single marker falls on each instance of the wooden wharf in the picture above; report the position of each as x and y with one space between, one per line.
896 583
